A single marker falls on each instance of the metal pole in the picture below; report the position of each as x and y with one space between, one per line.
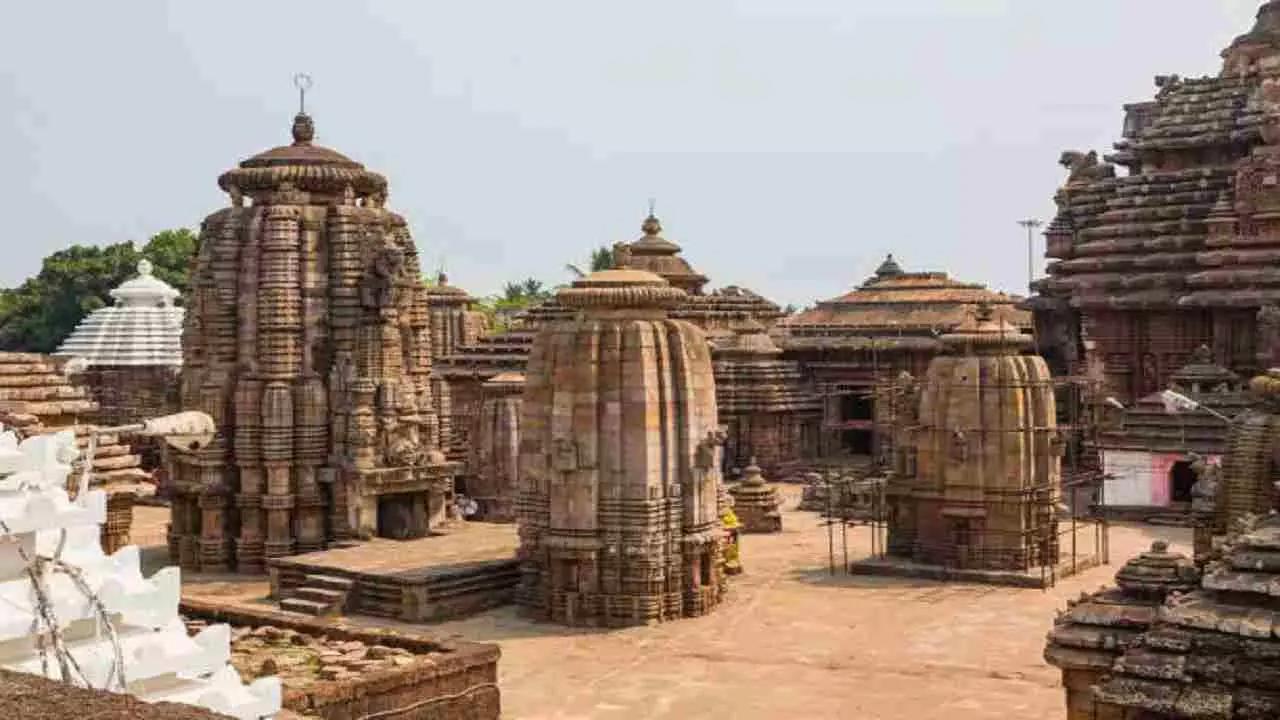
1031 224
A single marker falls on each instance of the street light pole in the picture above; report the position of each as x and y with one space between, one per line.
1031 224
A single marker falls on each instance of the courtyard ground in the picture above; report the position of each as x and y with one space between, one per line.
790 641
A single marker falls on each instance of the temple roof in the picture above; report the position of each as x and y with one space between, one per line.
620 288
1210 653
442 292
660 256
898 303
304 166
142 328
1139 241
1098 626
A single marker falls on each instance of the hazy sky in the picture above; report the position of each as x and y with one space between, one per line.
790 143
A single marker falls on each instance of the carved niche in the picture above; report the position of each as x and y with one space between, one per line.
564 454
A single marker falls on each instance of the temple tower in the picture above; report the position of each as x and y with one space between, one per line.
982 487
307 339
619 468
495 448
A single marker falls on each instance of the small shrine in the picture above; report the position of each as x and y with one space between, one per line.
1096 629
770 414
1147 454
1210 652
495 446
975 490
755 503
620 494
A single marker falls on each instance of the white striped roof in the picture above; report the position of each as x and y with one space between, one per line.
143 327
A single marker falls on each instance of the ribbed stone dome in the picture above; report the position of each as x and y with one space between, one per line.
142 328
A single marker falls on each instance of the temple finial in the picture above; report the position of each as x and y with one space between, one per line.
651 225
304 130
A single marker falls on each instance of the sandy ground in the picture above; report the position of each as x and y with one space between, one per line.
792 641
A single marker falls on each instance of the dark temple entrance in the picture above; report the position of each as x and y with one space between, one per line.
1181 479
402 516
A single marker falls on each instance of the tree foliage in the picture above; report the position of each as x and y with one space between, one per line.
601 259
39 314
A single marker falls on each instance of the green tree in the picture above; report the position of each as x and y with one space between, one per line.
601 259
39 314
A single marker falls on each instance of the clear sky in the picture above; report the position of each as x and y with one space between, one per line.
790 143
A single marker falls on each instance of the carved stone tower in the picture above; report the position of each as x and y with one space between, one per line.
307 339
981 486
619 467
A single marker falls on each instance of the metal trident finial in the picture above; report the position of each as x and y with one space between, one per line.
302 81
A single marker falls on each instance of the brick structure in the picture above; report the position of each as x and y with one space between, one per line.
308 340
771 416
36 397
849 345
620 491
457 679
976 478
132 354
1181 252
1211 653
1093 631
1147 453
495 449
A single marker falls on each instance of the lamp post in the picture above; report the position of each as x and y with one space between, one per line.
1031 224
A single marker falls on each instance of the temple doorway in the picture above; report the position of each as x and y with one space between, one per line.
1181 479
402 516
857 410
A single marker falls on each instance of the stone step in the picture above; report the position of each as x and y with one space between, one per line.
334 598
305 607
328 582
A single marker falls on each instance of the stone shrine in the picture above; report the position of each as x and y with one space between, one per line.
755 504
308 340
495 448
1249 467
976 481
1211 653
771 416
1146 455
620 491
1095 629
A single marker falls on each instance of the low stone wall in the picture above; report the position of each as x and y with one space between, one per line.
457 680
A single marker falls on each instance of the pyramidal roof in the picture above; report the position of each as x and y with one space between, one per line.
143 327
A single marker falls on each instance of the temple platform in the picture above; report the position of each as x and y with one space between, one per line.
444 577
1036 577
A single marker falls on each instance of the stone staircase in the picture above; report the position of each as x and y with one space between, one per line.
319 595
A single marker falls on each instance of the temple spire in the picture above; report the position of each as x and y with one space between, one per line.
304 130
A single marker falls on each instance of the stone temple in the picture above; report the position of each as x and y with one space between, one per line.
307 339
976 481
620 482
